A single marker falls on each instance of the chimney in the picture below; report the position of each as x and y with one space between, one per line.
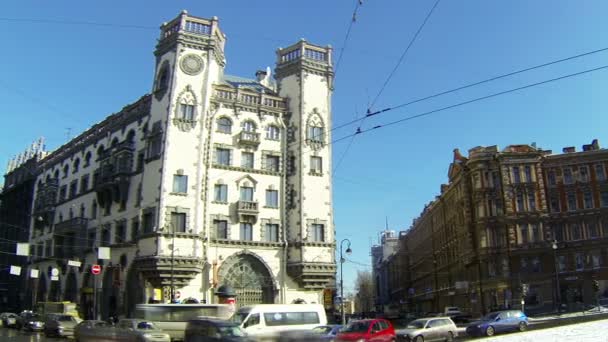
595 145
260 75
570 149
263 77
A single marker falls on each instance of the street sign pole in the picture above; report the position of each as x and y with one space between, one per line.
94 297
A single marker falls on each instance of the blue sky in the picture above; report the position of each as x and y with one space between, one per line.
58 72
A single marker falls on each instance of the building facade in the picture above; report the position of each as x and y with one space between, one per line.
512 225
209 180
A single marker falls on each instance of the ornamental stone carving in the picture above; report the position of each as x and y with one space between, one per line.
192 64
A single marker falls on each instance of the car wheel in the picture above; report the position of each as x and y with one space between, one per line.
450 337
490 331
522 326
419 338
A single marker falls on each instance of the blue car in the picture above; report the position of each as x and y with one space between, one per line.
498 321
328 332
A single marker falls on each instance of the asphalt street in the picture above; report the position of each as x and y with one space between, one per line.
15 335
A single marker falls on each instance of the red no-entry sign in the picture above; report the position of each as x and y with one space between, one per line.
95 269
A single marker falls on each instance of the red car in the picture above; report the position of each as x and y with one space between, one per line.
368 330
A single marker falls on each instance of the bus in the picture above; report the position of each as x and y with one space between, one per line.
172 318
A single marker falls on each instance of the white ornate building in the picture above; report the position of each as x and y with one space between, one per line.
210 179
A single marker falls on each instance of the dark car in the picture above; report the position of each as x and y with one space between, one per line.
203 329
498 321
327 332
30 321
377 330
59 325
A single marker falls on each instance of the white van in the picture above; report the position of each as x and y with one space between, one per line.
268 320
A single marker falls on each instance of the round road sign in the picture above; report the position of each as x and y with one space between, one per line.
95 269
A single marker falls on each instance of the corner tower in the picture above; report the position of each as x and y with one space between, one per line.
304 74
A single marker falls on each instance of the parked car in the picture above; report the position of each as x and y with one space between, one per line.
429 329
87 328
59 325
30 321
9 319
328 332
204 329
498 321
140 330
377 330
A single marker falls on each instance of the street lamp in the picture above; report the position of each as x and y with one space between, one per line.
348 252
557 287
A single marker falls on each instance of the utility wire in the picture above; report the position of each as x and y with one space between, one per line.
390 76
475 100
350 26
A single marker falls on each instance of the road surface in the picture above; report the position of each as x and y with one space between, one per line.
588 332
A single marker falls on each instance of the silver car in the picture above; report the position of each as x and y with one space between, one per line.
428 329
141 330
59 325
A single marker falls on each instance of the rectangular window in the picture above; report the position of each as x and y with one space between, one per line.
536 235
524 234
554 203
186 111
247 160
592 231
583 174
121 233
272 163
92 238
271 232
604 199
316 165
246 194
561 263
596 260
222 156
73 188
520 202
551 179
134 229
588 199
516 175
315 134
148 222
221 193
528 173
140 161
63 192
106 237
221 229
84 183
318 232
575 231
580 261
600 173
246 232
531 202
272 198
568 176
536 264
571 201
558 232
154 146
180 184
178 222
495 179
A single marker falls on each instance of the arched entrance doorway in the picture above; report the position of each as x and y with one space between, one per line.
249 277
70 293
41 292
55 291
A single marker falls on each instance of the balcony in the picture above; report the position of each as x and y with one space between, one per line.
75 225
249 138
312 275
70 238
247 211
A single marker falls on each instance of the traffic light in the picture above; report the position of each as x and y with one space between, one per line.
596 286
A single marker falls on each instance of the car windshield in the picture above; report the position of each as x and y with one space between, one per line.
65 318
491 316
145 326
239 316
417 324
231 331
361 326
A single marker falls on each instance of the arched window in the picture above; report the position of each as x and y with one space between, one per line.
315 133
56 174
131 136
162 82
273 132
114 142
224 125
87 159
249 126
186 111
66 170
100 151
82 211
76 165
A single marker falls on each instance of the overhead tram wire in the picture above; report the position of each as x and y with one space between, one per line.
390 76
474 100
344 43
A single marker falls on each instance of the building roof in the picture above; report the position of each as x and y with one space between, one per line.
247 83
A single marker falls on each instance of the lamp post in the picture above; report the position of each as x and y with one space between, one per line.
348 252
557 287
